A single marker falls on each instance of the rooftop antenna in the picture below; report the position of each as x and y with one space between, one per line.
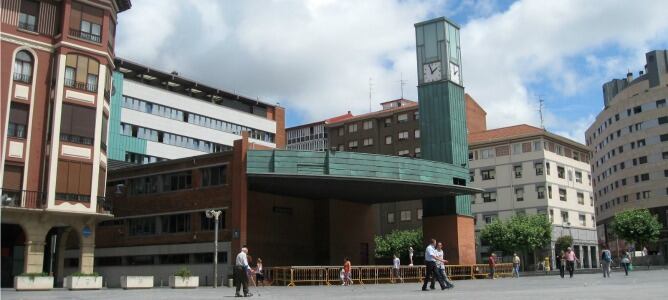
540 110
370 92
402 82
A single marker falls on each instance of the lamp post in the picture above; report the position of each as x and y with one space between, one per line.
214 214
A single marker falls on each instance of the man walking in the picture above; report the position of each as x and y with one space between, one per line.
442 274
516 265
240 272
396 268
606 259
430 264
570 261
492 265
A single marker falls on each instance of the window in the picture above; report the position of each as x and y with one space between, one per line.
341 148
489 197
18 120
368 125
403 135
641 142
470 155
551 214
471 176
539 168
390 218
583 220
23 67
661 103
560 172
664 155
86 22
388 122
564 217
663 120
141 226
209 224
417 133
644 177
419 214
518 171
352 128
547 168
540 190
537 146
642 160
405 215
487 153
562 194
418 152
177 181
519 194
517 148
352 145
77 124
388 140
81 72
214 176
341 131
403 153
637 109
368 142
28 15
578 176
416 115
549 192
402 118
664 138
488 174
581 199
490 218
175 223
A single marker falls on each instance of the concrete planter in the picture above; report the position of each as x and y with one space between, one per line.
136 282
36 283
179 282
83 282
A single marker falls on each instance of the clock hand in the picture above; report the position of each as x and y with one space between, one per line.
432 72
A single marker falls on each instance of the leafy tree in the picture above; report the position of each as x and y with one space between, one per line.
498 236
562 243
398 242
520 233
638 226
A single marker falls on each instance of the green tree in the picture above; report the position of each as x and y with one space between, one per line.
562 243
497 236
521 233
638 226
398 242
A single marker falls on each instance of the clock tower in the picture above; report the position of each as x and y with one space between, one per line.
443 133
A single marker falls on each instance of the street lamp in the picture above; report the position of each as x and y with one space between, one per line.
214 214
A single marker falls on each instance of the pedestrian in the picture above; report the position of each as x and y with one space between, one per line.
240 273
606 259
626 261
492 265
441 272
396 268
410 256
516 265
571 258
259 276
561 263
250 272
430 265
347 269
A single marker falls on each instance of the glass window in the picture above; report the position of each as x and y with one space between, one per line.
23 67
390 218
519 194
405 215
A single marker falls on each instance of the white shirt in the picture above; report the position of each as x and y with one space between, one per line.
429 253
396 263
242 260
439 254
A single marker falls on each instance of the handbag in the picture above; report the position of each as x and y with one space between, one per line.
630 267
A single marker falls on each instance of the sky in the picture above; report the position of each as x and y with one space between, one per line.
322 58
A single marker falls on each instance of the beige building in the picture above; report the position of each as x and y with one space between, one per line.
629 141
526 170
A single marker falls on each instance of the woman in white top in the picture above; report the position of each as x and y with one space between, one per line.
626 262
259 276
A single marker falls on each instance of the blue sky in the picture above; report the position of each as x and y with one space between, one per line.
315 57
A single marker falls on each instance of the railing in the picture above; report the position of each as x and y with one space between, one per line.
104 205
328 275
85 35
22 198
27 78
73 197
81 85
27 26
76 139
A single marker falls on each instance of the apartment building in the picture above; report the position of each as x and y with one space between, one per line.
157 116
312 136
629 141
525 170
56 63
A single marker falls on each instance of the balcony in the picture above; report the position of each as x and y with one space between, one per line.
85 35
28 26
27 78
22 199
64 137
90 87
73 197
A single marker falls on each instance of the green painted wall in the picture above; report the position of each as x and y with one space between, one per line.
352 164
118 143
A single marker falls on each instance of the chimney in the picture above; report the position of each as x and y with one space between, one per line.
629 76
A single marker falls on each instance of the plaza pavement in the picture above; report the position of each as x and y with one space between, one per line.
640 284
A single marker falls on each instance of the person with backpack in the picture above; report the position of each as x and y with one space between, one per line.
606 259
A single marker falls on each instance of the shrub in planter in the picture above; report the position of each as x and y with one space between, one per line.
33 282
183 279
83 281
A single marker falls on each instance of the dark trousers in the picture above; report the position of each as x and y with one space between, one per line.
443 277
430 275
240 279
570 265
626 268
561 270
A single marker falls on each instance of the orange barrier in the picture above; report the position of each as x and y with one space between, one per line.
328 275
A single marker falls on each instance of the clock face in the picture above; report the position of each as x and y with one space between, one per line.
431 71
454 73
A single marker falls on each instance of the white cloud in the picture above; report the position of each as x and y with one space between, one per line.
316 57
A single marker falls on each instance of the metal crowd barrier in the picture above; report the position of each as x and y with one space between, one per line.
328 275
